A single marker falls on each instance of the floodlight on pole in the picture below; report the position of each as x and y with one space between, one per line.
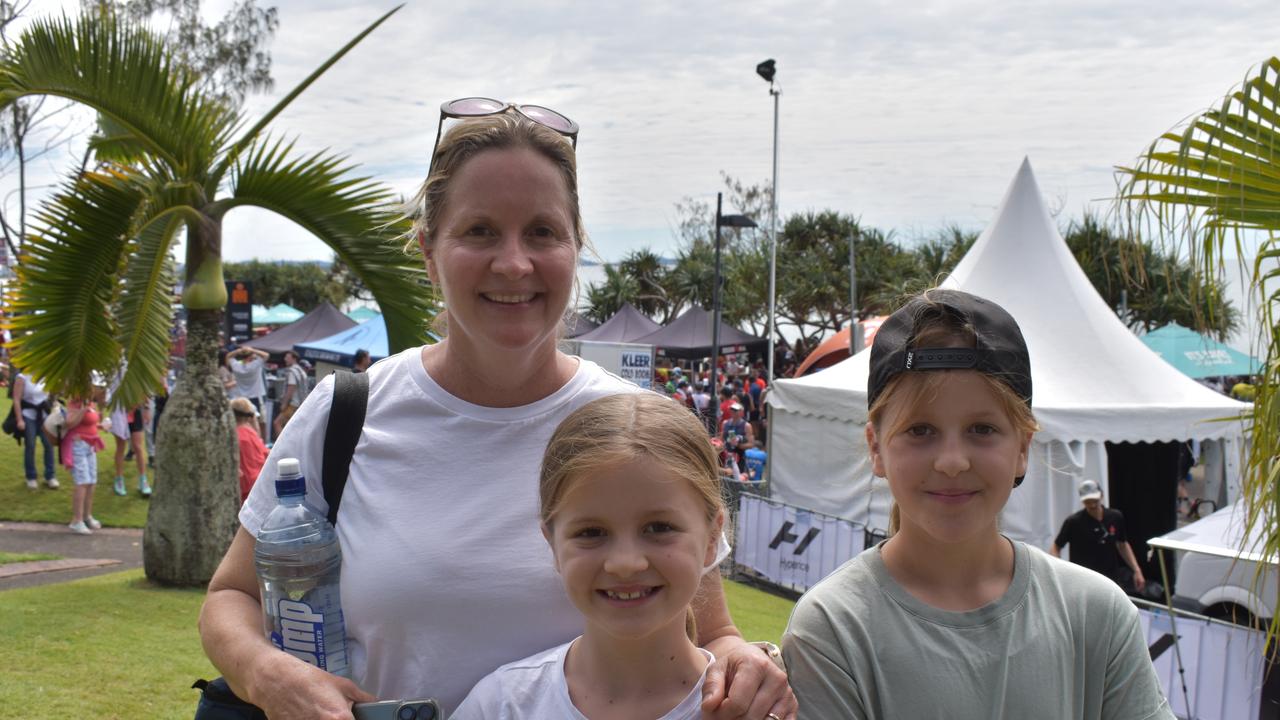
738 221
767 70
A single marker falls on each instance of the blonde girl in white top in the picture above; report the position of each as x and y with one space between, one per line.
630 505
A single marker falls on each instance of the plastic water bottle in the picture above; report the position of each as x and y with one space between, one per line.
298 562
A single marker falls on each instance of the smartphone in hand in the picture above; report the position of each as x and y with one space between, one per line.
398 710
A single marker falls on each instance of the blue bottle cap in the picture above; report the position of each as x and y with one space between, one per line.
296 485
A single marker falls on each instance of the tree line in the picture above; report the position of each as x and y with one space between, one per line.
1146 285
301 285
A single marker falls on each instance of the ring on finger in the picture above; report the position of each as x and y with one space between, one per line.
772 716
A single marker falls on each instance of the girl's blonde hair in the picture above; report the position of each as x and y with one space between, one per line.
909 390
620 429
467 138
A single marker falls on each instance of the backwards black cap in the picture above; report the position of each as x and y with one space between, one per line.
999 351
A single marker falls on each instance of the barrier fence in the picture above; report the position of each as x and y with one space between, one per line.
1223 664
789 546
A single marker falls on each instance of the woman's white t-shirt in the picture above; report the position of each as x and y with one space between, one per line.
445 574
536 689
33 393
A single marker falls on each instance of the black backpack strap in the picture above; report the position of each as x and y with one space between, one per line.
346 422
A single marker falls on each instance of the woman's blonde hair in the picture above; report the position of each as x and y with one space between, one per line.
619 429
469 137
909 390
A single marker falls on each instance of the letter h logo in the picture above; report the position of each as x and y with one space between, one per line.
785 535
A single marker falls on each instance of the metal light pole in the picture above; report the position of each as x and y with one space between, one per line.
855 327
767 70
738 221
715 326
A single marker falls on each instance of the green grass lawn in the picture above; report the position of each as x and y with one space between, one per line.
17 503
112 646
7 557
116 646
758 614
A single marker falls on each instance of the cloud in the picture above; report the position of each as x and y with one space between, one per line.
909 116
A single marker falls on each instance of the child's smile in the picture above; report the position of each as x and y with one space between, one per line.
631 543
951 460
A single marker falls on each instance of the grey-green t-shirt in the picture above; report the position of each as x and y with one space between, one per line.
1063 642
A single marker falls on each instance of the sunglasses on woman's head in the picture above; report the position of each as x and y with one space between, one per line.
472 107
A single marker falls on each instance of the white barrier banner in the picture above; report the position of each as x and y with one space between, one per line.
790 546
1223 665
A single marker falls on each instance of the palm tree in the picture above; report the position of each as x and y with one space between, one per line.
646 268
692 279
1213 184
95 292
606 298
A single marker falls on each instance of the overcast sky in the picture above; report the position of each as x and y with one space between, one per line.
912 116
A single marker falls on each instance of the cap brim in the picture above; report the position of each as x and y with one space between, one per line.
1091 496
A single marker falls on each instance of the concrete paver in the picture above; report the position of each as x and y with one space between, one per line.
106 550
39 566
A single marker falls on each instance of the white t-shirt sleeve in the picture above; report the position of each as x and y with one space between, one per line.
484 702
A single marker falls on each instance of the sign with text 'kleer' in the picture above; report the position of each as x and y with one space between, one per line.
790 546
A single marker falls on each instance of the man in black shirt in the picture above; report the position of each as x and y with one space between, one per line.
1097 538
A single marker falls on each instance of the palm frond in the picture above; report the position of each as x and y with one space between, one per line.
144 311
68 279
1211 182
353 215
122 71
112 142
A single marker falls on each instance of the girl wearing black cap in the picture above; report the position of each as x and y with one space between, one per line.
948 617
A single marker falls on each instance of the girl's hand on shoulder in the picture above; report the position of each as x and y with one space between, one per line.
295 690
744 684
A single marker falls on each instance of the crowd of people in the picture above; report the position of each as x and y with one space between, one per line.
741 429
246 373
71 429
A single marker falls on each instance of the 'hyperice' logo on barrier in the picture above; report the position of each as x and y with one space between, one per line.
785 535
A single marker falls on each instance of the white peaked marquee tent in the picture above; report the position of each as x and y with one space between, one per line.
1094 382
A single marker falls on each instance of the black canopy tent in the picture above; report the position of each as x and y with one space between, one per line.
688 337
625 326
318 324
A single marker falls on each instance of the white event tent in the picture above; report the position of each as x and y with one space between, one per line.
1094 382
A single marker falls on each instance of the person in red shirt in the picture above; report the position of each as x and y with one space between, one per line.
726 399
253 453
80 445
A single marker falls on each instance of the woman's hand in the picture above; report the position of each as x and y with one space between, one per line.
231 633
743 683
21 421
290 689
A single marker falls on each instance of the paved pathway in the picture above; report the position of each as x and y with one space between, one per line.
106 550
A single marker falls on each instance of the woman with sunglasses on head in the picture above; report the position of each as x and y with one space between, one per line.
445 574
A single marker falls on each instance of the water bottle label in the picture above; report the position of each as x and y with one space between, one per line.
301 632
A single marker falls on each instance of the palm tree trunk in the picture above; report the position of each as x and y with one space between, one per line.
192 517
